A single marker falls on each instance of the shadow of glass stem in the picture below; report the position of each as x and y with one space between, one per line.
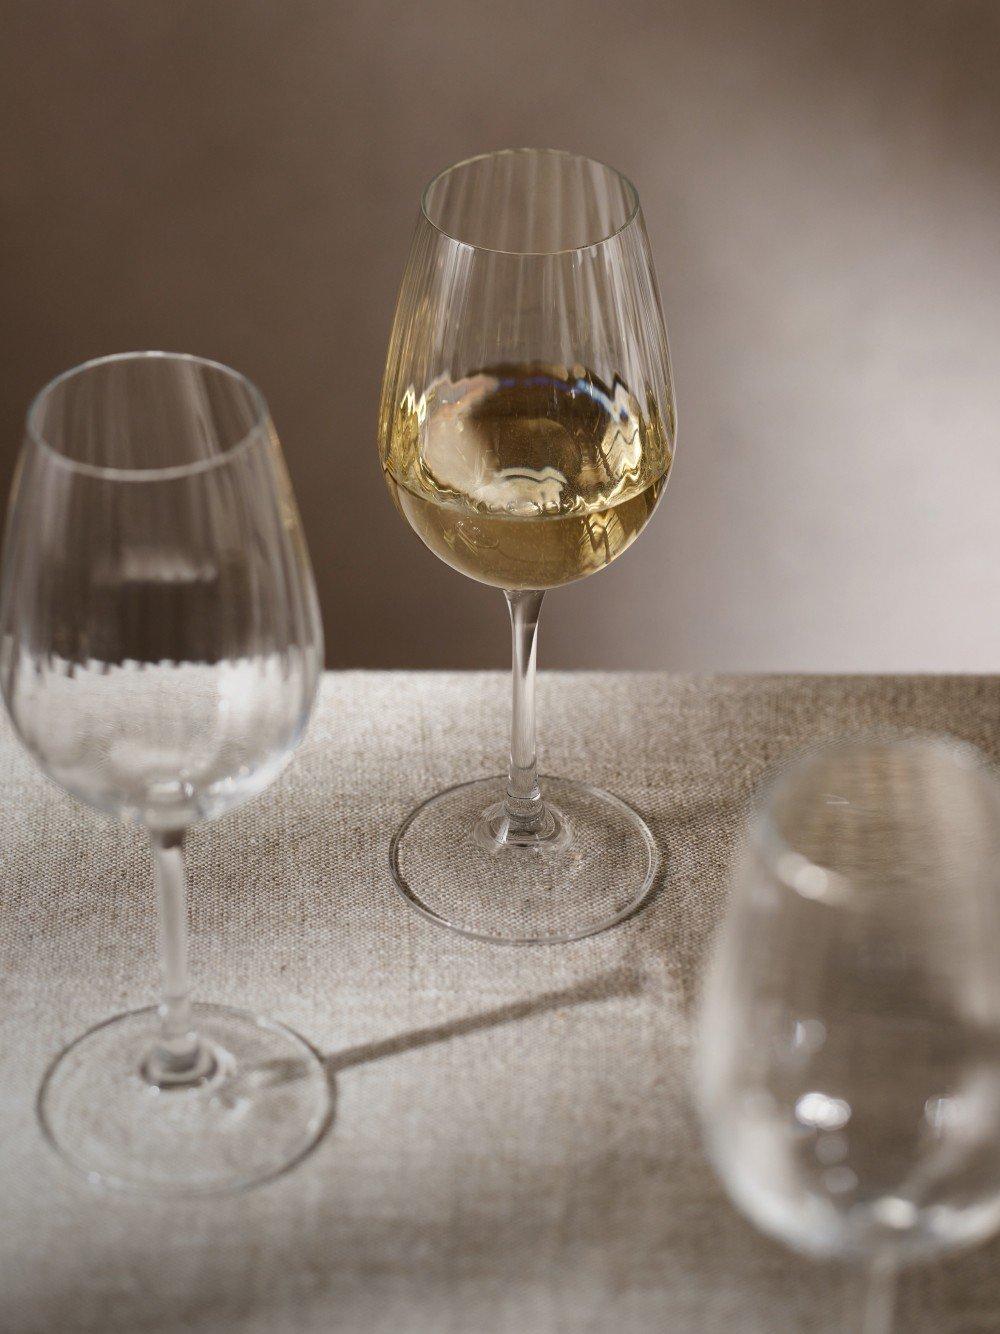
272 1074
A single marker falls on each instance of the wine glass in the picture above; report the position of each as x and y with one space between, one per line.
526 433
160 648
848 1068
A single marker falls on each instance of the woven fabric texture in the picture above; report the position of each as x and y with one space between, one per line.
514 1148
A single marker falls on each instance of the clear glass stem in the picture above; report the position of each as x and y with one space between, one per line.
178 1058
523 803
878 1300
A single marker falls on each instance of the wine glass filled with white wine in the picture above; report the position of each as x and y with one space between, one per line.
526 433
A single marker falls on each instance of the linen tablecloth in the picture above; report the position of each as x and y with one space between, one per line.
514 1147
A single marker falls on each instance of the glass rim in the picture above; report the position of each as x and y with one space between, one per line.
633 194
170 472
812 879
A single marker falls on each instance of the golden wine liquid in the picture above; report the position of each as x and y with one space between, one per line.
525 476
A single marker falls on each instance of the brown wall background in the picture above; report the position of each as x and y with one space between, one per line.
821 182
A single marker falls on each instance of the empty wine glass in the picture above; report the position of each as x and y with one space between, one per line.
161 648
849 1054
526 433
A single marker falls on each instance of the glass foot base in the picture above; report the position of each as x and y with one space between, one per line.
265 1103
593 863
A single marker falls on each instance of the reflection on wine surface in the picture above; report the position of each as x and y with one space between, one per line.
526 476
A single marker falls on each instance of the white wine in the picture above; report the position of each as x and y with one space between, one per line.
525 476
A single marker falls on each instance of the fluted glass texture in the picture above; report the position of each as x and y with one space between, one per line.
527 416
526 435
161 641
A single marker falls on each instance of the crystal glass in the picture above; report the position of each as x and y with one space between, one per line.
526 434
160 653
849 1053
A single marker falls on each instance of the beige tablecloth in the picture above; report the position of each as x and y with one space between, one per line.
514 1148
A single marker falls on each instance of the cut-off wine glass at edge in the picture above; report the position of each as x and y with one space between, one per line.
849 1052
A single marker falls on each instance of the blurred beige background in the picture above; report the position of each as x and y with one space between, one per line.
821 181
